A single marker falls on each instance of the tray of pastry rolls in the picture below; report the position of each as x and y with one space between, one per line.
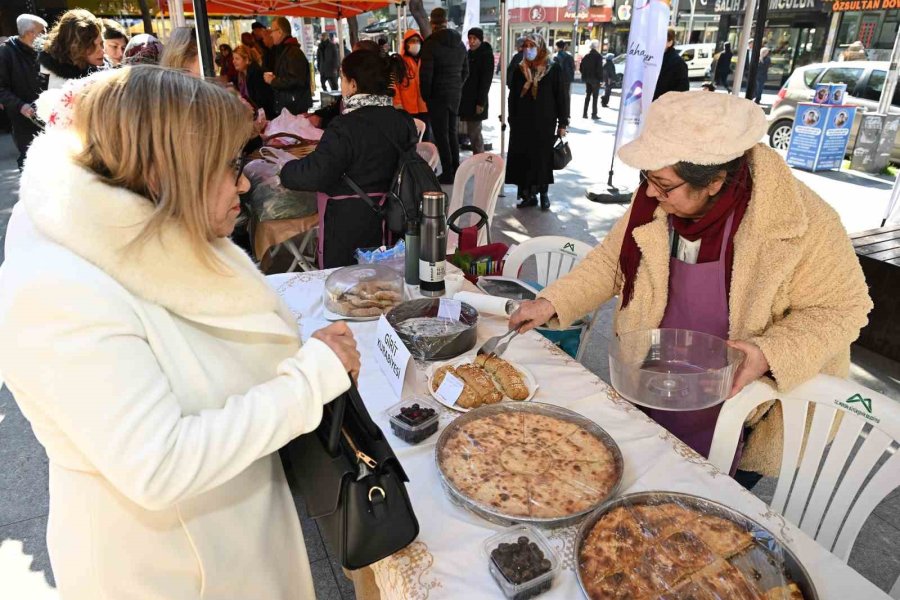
485 379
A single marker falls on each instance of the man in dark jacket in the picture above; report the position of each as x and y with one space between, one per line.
592 75
723 66
20 80
566 63
609 78
514 62
673 73
444 69
328 62
289 76
473 107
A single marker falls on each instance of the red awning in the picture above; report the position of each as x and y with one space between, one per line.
287 8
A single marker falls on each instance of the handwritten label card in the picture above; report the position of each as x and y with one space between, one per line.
449 309
393 356
450 389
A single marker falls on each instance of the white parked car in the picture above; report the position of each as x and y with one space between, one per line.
699 58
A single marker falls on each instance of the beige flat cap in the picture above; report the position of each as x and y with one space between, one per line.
699 127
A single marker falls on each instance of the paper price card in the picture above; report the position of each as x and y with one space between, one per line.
392 354
450 389
449 309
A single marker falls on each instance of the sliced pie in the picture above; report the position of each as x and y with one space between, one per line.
725 537
545 430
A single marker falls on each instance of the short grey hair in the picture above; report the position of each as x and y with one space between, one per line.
25 23
595 44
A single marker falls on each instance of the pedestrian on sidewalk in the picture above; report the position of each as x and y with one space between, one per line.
538 113
592 76
762 74
408 94
165 387
20 82
329 63
723 66
289 76
609 78
443 71
514 62
473 107
722 238
673 73
567 64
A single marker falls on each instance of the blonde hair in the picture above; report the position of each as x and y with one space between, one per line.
251 55
166 136
181 49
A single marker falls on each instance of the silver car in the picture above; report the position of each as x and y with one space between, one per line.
864 79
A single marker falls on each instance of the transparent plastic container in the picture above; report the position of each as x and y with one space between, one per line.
416 427
506 575
672 369
363 291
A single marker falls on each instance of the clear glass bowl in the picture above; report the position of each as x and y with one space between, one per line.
672 369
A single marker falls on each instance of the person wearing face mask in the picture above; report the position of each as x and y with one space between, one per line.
364 144
723 239
409 93
673 72
538 113
159 370
73 48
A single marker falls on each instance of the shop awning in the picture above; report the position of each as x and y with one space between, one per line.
287 8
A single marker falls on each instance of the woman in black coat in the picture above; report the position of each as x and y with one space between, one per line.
473 107
249 80
538 113
362 144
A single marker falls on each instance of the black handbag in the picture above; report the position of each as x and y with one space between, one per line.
562 154
353 484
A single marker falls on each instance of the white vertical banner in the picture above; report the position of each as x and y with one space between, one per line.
472 19
646 44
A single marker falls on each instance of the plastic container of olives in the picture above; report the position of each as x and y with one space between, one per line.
521 561
414 420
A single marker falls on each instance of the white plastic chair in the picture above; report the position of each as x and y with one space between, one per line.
554 256
429 152
811 491
488 171
420 127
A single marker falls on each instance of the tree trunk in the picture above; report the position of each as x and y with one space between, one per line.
145 15
353 30
417 10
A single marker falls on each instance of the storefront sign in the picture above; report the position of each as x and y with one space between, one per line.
738 6
623 10
845 5
537 14
543 14
392 355
819 136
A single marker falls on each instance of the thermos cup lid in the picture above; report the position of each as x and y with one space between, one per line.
434 204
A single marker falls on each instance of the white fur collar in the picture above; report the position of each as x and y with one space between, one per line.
72 207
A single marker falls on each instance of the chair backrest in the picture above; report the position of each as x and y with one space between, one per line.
821 488
554 256
420 127
429 152
488 171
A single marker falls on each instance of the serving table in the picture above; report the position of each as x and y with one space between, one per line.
446 560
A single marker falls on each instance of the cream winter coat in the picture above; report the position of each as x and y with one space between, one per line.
797 290
161 391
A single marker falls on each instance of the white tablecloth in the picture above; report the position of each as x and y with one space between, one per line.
446 560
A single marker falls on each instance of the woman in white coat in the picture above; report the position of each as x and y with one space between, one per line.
155 365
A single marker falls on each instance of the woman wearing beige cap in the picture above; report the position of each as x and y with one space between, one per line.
722 238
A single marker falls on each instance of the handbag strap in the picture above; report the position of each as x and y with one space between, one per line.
362 194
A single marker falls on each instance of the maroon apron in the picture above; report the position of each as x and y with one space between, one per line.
698 300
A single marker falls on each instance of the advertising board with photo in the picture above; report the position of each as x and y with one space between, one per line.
820 135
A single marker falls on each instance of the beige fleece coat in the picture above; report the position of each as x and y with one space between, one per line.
161 390
797 290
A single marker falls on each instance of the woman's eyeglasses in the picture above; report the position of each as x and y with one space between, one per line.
664 192
238 165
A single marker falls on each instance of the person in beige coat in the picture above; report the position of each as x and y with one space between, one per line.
158 370
722 238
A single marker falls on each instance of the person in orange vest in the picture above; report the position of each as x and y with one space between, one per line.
408 94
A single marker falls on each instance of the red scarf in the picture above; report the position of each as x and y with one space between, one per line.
710 228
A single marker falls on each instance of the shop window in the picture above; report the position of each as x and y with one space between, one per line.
875 86
887 35
846 75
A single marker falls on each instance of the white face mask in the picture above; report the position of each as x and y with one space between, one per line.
414 49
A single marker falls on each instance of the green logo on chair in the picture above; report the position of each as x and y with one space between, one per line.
866 402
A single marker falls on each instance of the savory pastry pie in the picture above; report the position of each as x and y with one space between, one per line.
365 299
487 380
508 379
671 552
499 463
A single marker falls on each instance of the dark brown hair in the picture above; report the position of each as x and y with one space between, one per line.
701 176
373 73
73 37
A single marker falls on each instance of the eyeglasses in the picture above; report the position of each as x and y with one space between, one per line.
238 165
664 192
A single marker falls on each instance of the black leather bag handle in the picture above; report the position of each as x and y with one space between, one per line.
338 407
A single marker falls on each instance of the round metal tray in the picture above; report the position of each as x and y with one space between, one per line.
766 541
540 408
